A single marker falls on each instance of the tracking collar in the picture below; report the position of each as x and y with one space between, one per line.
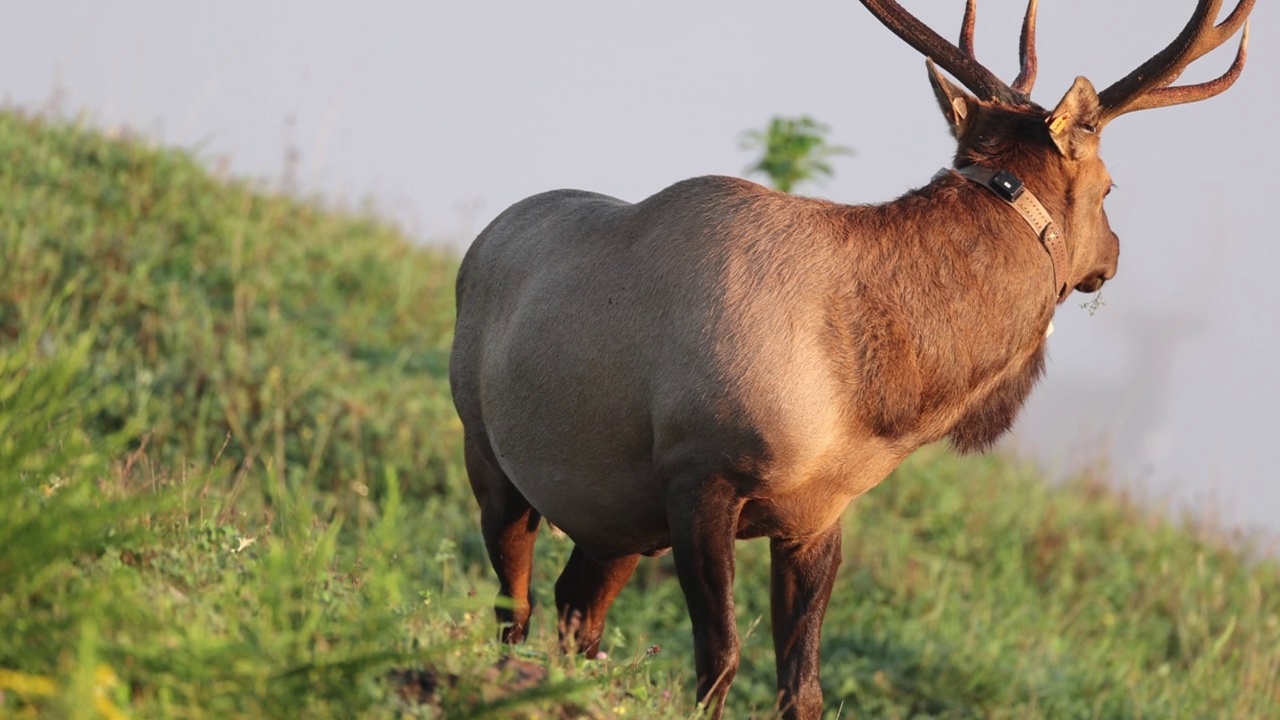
1010 189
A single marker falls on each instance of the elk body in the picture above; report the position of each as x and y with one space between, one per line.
721 361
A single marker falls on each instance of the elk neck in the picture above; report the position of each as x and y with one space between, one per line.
979 246
946 307
1010 189
1029 236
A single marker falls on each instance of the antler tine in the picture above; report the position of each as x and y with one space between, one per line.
981 81
1166 96
1219 34
966 28
1027 44
1027 52
1146 87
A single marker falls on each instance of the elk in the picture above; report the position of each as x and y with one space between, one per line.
720 361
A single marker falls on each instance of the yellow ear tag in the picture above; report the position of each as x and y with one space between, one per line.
960 107
1056 124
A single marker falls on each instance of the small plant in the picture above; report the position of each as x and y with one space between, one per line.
794 151
1093 305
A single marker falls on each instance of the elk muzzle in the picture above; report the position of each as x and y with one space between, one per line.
1091 285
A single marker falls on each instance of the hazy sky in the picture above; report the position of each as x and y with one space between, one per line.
445 113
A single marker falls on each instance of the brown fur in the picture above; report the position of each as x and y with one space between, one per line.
721 361
722 351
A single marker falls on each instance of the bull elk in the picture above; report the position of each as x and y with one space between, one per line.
722 361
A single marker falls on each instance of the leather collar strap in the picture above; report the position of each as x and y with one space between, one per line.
1031 210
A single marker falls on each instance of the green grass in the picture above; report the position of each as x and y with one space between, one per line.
232 487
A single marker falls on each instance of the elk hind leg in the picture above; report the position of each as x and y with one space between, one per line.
584 592
510 527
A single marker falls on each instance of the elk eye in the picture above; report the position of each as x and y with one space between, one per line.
1110 187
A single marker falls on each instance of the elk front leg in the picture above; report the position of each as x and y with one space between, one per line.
703 516
802 575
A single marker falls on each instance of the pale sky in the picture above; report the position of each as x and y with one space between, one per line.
445 113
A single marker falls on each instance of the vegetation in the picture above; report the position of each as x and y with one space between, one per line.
231 487
793 151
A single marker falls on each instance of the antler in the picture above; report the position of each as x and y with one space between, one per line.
1027 51
1026 44
966 28
1148 86
960 61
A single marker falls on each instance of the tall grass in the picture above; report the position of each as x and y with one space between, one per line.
231 486
317 340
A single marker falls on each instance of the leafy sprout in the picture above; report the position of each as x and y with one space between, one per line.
793 151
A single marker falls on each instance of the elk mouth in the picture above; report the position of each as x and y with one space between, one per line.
1092 285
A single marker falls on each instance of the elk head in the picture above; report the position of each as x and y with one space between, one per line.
1056 152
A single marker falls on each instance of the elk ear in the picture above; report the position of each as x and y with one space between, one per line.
1075 123
957 105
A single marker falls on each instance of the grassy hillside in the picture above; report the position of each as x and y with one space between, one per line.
231 487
